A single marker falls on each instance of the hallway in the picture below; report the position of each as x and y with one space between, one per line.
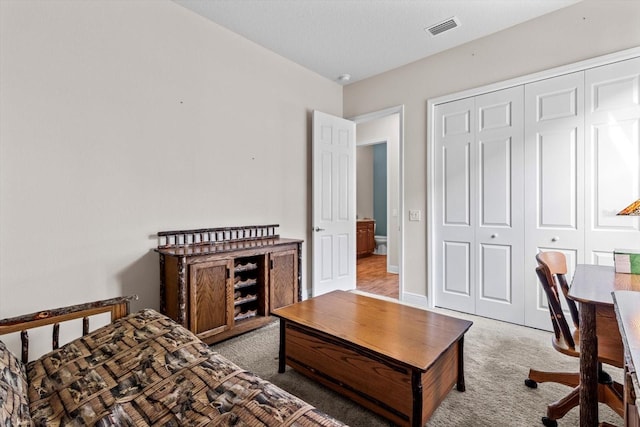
372 277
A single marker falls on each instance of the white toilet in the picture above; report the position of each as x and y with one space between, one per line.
381 245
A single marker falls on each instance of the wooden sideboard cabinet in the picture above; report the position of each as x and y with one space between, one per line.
221 288
365 241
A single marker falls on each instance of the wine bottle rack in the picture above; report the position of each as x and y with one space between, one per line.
247 287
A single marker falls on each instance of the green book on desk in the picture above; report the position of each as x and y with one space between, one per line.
627 261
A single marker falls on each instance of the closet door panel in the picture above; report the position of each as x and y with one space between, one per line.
615 173
499 232
457 191
495 279
554 180
495 182
455 201
613 158
456 279
556 154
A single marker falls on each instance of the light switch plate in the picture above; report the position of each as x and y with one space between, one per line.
414 215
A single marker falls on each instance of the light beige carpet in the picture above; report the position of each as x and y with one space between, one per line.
497 359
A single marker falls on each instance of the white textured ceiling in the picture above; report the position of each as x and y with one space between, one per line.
364 37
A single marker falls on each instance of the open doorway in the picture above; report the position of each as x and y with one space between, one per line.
379 200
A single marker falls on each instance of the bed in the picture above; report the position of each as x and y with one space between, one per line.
140 369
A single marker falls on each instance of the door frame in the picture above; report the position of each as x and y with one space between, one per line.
382 140
374 115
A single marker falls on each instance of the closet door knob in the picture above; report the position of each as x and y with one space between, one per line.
555 238
318 229
494 235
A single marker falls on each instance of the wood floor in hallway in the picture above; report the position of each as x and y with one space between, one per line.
372 277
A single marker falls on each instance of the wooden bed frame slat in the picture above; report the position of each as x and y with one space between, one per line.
24 339
56 336
118 307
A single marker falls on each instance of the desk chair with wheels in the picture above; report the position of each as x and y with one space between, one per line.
551 271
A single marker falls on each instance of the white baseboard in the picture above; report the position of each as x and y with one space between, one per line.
415 299
393 269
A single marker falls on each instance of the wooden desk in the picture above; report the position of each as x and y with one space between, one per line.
627 306
591 287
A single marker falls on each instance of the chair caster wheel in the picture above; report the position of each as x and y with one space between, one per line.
548 422
530 383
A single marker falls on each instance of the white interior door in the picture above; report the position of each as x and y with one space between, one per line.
554 181
334 203
612 120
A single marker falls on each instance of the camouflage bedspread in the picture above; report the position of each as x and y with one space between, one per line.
145 369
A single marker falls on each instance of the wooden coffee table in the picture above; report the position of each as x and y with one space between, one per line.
396 360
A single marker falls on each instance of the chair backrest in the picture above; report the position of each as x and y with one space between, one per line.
558 319
556 264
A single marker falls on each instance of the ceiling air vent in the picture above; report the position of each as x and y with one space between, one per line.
443 26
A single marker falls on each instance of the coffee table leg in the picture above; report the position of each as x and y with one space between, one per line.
416 385
460 384
281 357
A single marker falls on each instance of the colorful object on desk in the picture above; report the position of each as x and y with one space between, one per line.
633 209
627 260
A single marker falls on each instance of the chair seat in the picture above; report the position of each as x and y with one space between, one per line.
611 355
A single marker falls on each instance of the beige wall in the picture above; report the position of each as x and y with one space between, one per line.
121 119
585 30
364 181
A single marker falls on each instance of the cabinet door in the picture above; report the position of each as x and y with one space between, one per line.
371 241
361 239
283 278
210 297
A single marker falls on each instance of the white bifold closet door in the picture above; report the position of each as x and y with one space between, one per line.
455 203
554 181
479 194
541 166
583 166
612 150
